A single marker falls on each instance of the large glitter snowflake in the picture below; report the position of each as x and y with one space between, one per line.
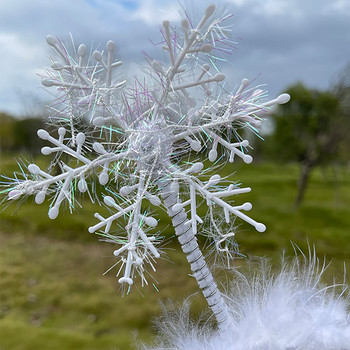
134 137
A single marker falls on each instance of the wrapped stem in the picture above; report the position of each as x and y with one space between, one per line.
194 256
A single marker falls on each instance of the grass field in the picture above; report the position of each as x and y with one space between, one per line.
53 294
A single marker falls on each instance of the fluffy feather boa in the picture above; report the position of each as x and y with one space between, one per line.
286 310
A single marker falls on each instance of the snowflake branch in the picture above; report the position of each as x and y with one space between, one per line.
188 48
136 236
214 197
60 146
45 180
232 147
219 122
83 86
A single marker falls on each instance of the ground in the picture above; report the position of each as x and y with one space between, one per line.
53 293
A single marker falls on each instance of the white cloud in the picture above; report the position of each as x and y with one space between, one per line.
338 6
19 61
14 45
271 8
153 13
283 39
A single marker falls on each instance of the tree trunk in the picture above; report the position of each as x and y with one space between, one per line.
195 257
305 170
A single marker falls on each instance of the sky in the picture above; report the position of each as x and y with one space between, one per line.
280 42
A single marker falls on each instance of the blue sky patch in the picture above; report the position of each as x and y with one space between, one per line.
129 4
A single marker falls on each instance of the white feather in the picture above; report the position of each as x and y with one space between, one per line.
286 310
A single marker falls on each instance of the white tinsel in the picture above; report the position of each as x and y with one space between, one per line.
288 310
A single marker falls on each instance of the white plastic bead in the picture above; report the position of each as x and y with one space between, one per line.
110 45
82 185
247 206
97 56
53 213
14 194
245 82
103 178
127 280
51 40
46 151
61 131
260 227
247 159
80 138
43 134
125 190
82 50
214 180
47 82
109 201
212 155
34 169
40 197
219 77
210 10
195 145
98 148
284 98
151 221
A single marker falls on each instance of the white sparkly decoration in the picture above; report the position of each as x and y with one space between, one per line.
289 309
133 138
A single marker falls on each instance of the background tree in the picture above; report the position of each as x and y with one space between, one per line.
7 126
341 88
309 130
16 134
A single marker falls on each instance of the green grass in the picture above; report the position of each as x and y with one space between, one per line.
54 288
53 294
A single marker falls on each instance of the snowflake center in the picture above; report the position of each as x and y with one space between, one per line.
153 147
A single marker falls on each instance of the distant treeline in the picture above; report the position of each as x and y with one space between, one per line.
311 130
19 134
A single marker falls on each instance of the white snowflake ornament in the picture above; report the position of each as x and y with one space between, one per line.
137 138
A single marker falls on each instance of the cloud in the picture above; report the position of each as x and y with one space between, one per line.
285 40
153 14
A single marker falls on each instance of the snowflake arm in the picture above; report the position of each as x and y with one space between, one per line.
242 111
215 198
174 80
61 147
234 148
44 180
84 84
137 238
